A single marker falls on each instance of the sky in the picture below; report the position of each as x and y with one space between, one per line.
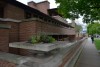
52 2
54 5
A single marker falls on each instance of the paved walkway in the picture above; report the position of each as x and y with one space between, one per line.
89 56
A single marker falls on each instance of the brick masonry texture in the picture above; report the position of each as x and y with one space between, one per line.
4 40
13 12
54 29
12 36
42 6
27 29
13 32
6 64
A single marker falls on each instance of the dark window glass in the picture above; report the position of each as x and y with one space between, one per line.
28 15
1 12
34 15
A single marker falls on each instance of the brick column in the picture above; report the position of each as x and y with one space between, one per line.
4 38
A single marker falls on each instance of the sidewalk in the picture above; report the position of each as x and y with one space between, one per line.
89 56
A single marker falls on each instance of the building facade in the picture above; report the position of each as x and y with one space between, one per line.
18 22
32 19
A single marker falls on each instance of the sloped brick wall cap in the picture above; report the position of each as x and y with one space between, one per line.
3 26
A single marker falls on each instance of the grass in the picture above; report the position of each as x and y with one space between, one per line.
97 43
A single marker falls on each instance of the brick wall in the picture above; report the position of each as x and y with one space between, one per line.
13 12
44 27
50 29
14 31
41 6
32 4
71 31
4 40
13 36
6 64
71 37
26 52
27 29
47 28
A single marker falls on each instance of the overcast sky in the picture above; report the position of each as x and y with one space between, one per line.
52 2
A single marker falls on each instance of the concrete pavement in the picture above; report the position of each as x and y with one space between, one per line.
89 56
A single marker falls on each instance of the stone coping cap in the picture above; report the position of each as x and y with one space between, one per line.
32 19
39 47
45 47
9 19
13 20
17 59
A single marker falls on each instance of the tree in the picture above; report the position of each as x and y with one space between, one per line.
93 28
89 9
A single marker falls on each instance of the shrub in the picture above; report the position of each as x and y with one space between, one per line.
41 38
32 40
47 39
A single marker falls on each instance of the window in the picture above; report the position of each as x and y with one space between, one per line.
28 15
1 12
35 16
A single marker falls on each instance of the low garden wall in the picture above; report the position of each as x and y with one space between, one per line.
4 63
65 56
56 54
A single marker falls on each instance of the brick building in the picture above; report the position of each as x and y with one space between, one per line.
24 21
18 22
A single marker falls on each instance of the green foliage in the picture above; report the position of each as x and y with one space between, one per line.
89 9
33 40
47 39
41 38
93 28
97 43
